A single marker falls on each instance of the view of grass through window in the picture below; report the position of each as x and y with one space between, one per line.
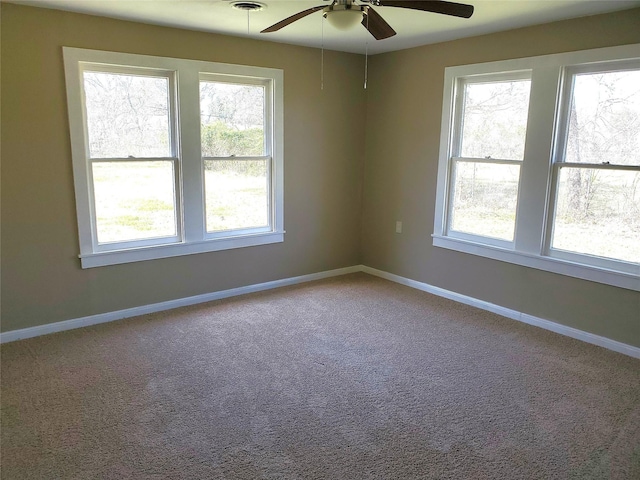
134 200
603 221
486 197
236 194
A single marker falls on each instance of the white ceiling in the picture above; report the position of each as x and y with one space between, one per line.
414 27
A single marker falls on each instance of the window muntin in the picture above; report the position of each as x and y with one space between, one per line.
488 147
164 214
595 208
545 171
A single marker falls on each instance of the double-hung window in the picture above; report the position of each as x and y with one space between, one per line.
173 156
486 156
540 164
132 161
595 201
235 141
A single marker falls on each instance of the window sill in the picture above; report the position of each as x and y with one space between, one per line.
116 257
563 267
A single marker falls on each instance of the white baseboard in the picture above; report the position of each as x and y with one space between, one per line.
509 313
208 297
21 334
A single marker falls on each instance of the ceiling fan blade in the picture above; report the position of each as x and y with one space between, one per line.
377 25
283 23
435 6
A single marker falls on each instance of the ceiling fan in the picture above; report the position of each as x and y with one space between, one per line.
344 14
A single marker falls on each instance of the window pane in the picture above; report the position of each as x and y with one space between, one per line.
237 194
494 119
604 119
231 119
485 199
598 213
127 115
134 200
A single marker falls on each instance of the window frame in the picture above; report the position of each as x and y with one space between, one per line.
531 247
191 237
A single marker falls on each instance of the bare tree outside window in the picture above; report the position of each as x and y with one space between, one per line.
127 115
604 121
495 119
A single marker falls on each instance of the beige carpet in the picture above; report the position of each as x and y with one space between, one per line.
347 378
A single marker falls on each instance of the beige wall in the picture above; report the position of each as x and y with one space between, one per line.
331 221
404 108
42 280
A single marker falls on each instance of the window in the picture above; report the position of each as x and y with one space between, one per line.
149 182
597 171
540 164
234 152
487 155
131 160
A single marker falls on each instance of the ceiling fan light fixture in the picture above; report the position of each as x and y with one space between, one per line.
344 18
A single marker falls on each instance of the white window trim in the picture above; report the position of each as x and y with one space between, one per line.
529 248
192 236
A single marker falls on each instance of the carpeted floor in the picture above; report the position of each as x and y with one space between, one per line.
349 378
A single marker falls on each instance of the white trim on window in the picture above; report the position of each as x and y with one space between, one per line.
535 197
184 77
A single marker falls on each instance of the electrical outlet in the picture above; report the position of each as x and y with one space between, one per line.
398 227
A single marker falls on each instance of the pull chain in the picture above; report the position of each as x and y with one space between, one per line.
322 58
248 21
366 64
366 55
